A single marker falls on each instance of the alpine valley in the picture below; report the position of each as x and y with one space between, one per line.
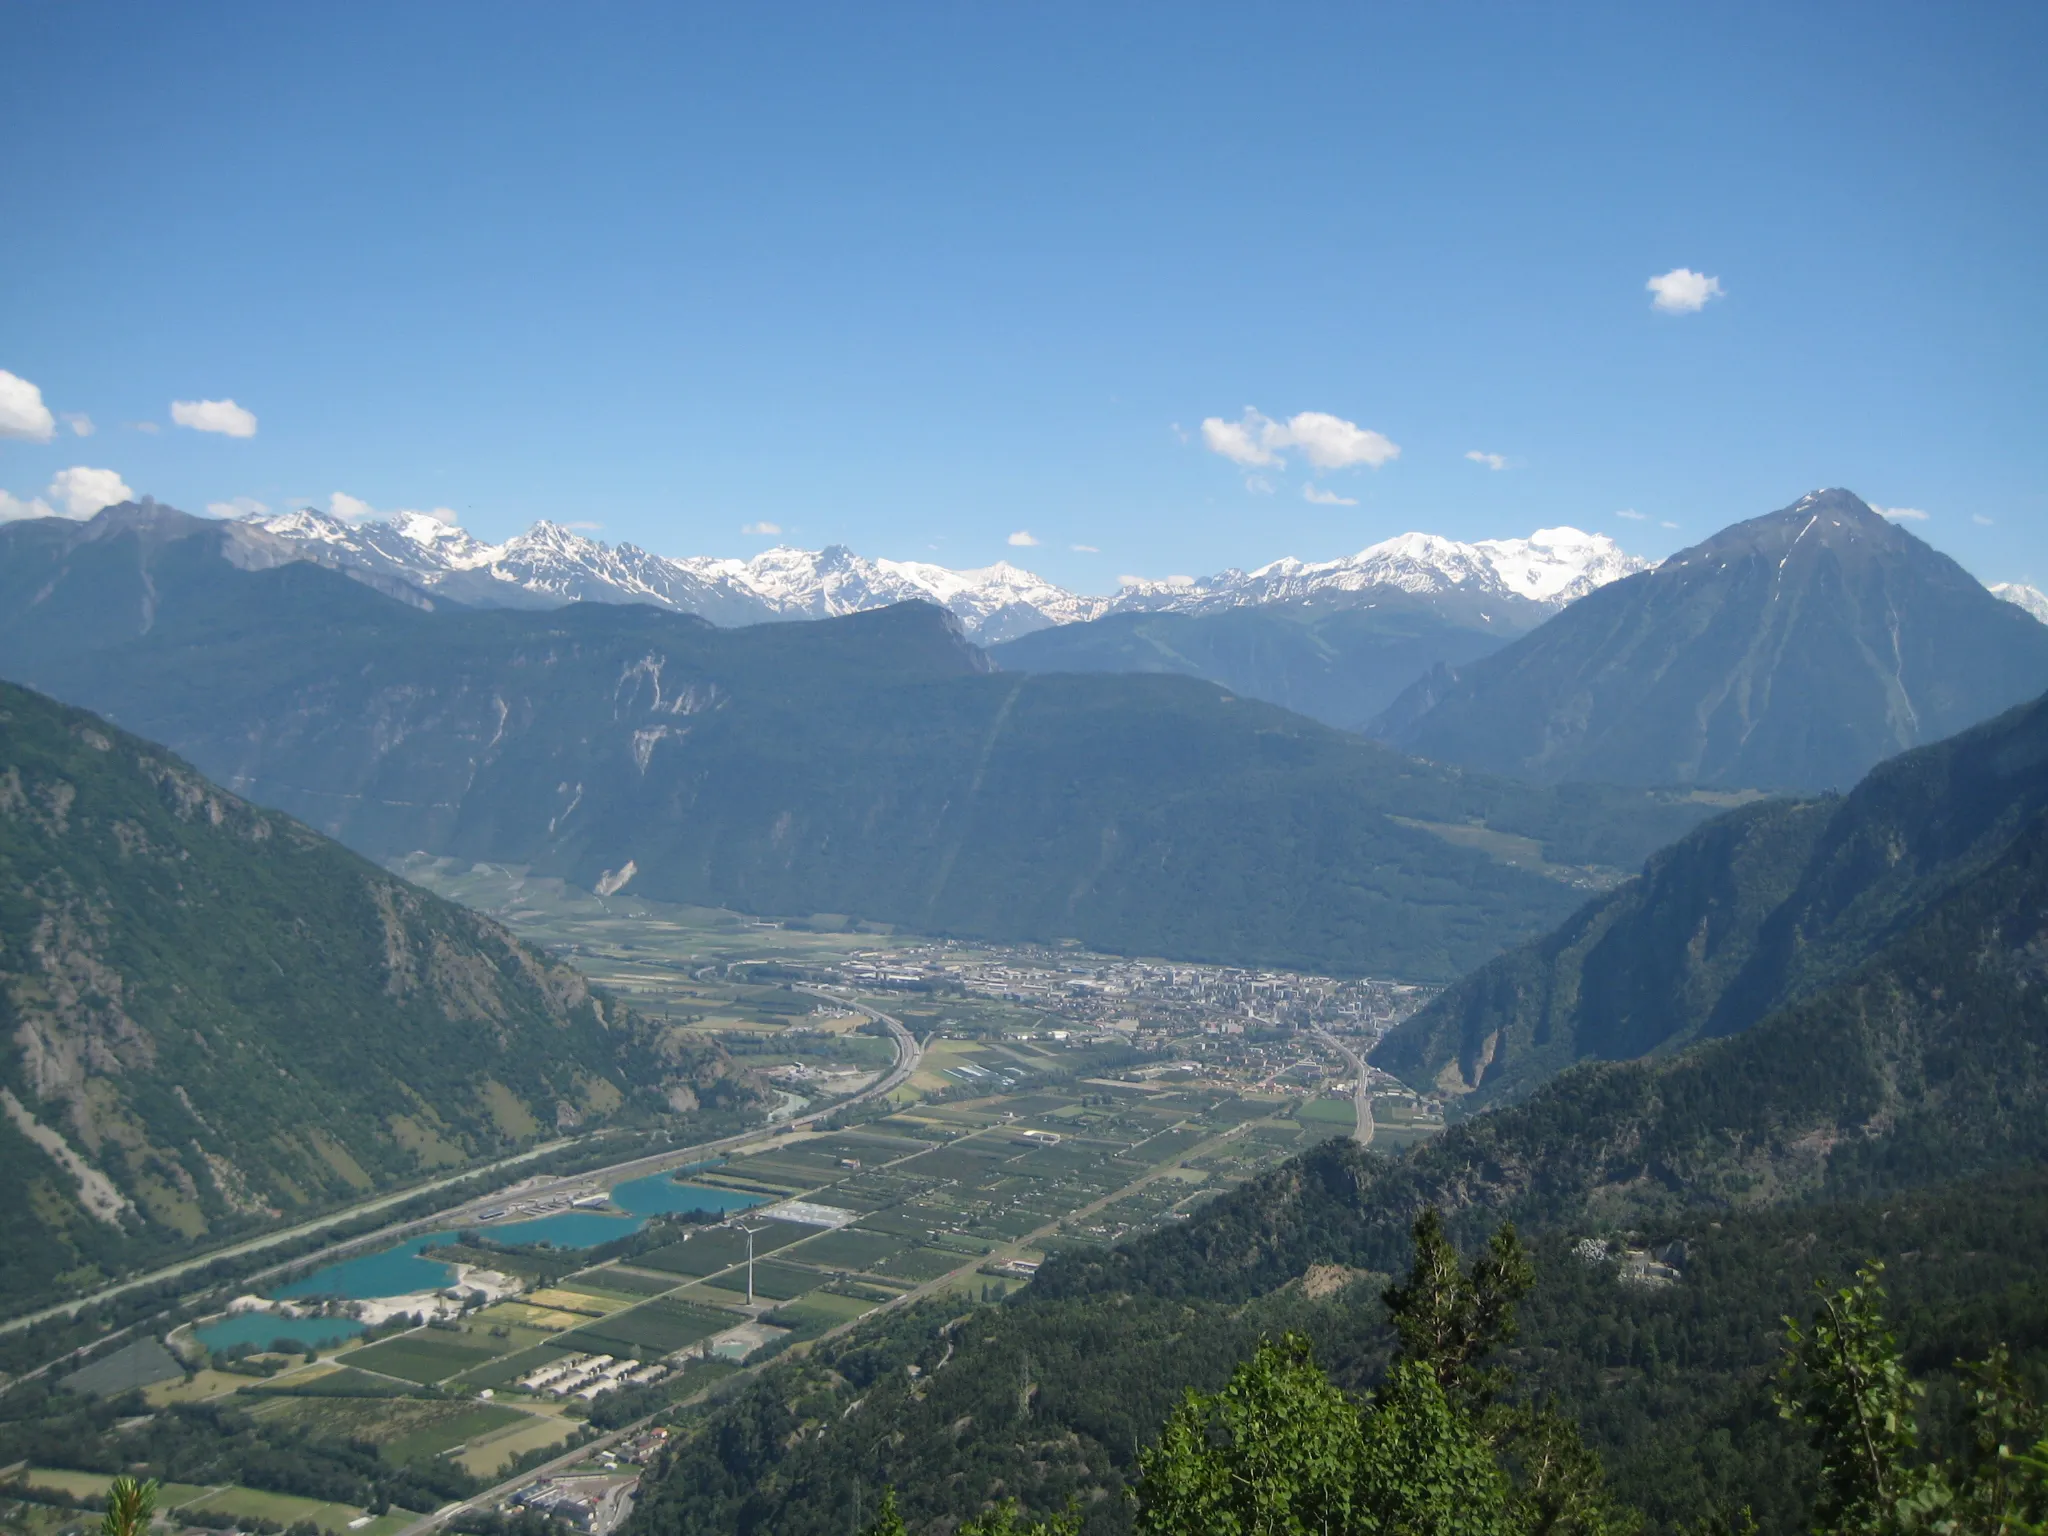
1613 950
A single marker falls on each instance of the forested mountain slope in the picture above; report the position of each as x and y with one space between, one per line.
1760 906
1341 665
871 765
1789 652
1900 1113
1048 1399
215 1018
1929 1061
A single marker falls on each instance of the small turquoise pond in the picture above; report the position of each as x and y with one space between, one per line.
394 1272
655 1195
262 1329
400 1270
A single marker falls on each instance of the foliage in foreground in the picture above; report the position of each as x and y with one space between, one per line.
1844 1378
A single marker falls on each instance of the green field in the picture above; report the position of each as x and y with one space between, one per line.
615 1281
923 1263
778 1281
1338 1112
648 1330
424 1356
502 1373
716 1248
284 1508
823 1307
849 1248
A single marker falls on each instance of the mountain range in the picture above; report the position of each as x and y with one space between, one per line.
1768 904
217 1019
874 765
1789 652
1892 1107
1521 580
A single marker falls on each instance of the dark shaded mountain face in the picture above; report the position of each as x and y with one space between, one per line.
868 765
1341 665
1926 1063
1791 652
1766 904
215 1018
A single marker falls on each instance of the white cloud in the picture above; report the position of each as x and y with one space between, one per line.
1084 549
583 527
349 508
1326 441
13 509
1330 442
1022 539
1667 525
1682 291
1323 498
222 416
241 506
23 415
79 423
1490 460
1980 519
1633 515
1258 485
1901 514
1242 442
84 491
762 530
145 426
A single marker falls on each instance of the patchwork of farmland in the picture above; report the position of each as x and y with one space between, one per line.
933 1197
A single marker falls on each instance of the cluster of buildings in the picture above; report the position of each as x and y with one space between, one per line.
1141 998
588 1504
590 1376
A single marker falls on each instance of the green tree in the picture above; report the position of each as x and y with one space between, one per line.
130 1504
1276 1452
1844 1378
1003 1520
1280 1451
1450 1319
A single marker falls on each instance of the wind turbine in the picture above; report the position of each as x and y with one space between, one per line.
750 1231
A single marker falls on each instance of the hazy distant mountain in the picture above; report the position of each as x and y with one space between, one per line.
871 764
1503 584
1341 665
1792 651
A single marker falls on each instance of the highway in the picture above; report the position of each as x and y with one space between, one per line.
909 1053
1361 1095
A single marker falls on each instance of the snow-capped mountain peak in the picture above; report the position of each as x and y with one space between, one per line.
2020 595
1549 569
1523 579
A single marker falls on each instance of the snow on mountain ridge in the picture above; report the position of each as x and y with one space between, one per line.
549 562
2020 595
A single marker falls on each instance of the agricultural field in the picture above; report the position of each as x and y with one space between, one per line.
1007 1148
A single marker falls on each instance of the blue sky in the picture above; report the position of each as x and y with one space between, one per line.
917 278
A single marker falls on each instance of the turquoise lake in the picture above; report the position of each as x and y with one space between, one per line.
261 1328
392 1272
655 1195
400 1270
